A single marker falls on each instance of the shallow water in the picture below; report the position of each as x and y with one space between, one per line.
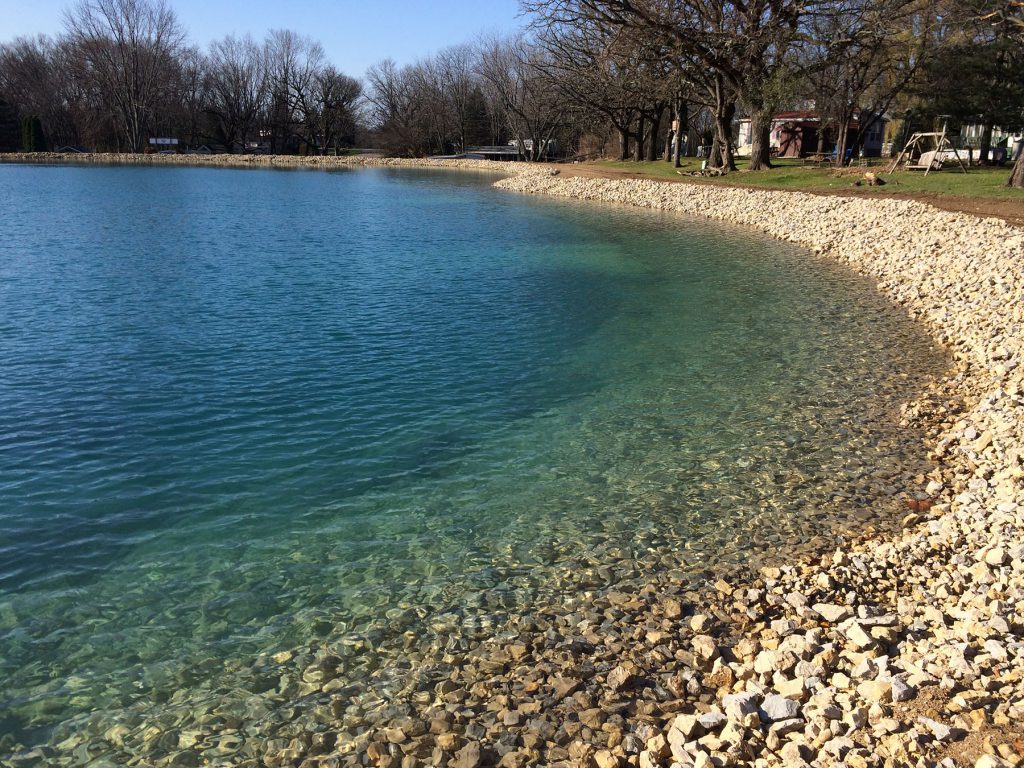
240 410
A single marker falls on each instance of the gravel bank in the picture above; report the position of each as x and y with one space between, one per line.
903 651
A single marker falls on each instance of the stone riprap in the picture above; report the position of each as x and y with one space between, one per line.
906 650
835 653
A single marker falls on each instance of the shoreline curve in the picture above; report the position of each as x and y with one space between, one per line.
906 649
925 658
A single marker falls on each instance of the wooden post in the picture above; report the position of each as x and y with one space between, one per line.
906 148
938 147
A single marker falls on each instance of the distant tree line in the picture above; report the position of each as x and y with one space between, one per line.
123 72
639 79
496 91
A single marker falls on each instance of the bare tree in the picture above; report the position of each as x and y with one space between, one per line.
435 117
128 49
237 88
29 79
123 72
858 57
292 62
184 109
731 52
330 113
602 68
519 74
395 107
40 78
436 105
455 69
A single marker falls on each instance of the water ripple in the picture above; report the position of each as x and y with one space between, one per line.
226 425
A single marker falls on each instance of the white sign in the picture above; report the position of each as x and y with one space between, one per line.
163 141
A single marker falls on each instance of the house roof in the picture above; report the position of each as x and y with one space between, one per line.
805 114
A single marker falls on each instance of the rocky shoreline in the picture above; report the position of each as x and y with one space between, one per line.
311 162
906 650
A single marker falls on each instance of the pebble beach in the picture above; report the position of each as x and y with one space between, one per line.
899 649
905 650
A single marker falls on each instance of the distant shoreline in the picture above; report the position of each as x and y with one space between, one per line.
313 162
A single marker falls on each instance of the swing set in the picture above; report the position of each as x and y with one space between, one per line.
922 158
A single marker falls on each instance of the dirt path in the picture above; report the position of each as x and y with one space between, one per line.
1010 211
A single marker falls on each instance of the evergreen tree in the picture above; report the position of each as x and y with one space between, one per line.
32 137
10 137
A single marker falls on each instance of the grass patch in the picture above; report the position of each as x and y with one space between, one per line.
793 175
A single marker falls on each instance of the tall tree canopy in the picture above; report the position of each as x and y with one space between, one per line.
127 51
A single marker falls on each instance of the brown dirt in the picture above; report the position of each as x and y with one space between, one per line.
970 750
1011 211
932 702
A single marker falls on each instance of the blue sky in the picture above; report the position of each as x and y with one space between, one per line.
354 34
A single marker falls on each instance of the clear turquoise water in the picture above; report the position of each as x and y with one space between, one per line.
242 409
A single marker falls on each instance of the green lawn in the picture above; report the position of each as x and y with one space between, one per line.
791 174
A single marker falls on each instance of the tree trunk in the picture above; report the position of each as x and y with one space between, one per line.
623 144
723 110
841 133
857 144
691 144
985 144
715 153
760 140
638 146
677 140
1017 177
722 149
821 139
652 136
